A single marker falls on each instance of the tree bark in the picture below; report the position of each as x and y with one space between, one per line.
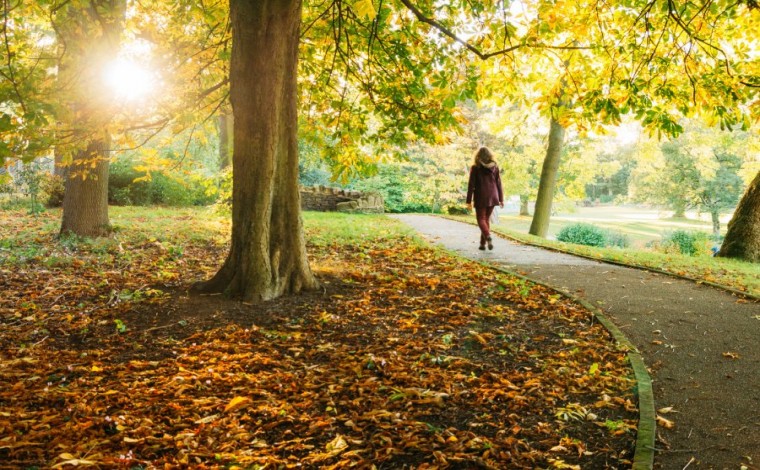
679 210
548 182
91 33
743 236
85 200
524 200
715 216
267 258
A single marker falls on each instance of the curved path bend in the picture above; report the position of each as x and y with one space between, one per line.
701 344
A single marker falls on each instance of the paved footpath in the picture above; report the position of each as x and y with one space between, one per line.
701 344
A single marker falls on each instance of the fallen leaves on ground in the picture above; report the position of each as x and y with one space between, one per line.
406 357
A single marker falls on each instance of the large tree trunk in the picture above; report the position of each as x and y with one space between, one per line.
85 201
743 237
91 33
267 258
546 186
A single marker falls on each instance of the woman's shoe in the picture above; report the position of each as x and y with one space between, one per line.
482 246
490 243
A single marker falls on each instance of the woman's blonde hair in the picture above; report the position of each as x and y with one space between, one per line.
483 156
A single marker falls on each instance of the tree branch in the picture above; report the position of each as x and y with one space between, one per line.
11 75
447 32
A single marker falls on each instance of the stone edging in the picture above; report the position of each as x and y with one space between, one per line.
643 458
620 263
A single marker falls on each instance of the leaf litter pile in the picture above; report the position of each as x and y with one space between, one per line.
406 358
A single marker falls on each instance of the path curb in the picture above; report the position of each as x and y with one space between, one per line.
643 458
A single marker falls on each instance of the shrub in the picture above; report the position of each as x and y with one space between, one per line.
411 207
387 183
457 210
122 188
617 239
583 234
308 176
6 181
170 190
686 242
120 196
221 187
52 187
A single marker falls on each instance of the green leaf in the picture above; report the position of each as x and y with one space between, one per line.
5 123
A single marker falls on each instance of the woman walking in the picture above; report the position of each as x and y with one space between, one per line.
485 188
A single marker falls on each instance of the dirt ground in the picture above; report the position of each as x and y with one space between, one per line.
700 344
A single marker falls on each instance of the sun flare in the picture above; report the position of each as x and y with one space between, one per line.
128 80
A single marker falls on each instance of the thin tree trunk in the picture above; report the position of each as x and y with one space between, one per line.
679 210
524 200
267 257
743 237
85 201
715 216
548 182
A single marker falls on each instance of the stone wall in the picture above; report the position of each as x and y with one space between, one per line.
324 199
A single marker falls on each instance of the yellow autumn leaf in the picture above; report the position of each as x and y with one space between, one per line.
237 403
479 338
337 444
365 9
665 423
